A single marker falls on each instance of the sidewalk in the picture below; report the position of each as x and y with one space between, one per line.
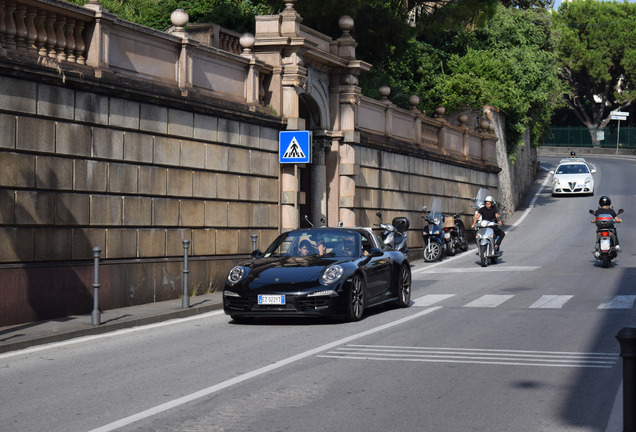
26 335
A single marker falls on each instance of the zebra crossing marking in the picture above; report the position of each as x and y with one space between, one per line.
618 302
551 302
544 302
489 301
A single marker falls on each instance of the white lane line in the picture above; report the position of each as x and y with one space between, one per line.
474 356
431 299
489 301
498 268
618 302
551 302
115 333
249 375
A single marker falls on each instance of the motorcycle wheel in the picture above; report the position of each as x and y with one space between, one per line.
450 248
606 260
432 252
483 260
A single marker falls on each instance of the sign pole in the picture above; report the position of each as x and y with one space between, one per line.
618 135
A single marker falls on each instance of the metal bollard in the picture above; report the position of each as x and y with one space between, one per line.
96 315
627 339
185 300
254 238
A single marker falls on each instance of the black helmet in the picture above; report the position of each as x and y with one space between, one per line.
604 201
572 154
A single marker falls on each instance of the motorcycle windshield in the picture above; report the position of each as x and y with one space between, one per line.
480 198
435 215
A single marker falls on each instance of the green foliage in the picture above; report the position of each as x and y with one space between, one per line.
597 57
237 15
510 66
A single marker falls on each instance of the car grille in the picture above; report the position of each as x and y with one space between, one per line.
311 303
236 303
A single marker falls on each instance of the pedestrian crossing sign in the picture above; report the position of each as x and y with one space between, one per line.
294 147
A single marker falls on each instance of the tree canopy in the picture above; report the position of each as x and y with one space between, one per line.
596 53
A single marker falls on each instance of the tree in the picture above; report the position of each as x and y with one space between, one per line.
596 52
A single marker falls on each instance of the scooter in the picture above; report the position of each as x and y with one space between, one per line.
605 248
433 232
485 236
394 234
454 234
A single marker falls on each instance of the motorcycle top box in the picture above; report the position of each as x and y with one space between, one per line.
401 223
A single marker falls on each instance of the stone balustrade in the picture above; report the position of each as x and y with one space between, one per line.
45 29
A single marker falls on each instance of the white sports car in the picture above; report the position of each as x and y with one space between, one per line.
573 176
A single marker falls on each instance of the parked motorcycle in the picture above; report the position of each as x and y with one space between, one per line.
605 248
485 236
454 234
394 234
433 232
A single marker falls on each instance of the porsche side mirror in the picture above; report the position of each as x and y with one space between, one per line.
375 252
593 171
256 253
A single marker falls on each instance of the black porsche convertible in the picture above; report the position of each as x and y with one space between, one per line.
334 272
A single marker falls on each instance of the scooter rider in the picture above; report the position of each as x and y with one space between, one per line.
604 208
489 212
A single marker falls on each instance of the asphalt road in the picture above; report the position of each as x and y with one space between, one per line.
527 344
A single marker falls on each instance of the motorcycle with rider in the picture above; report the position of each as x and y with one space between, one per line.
607 246
489 235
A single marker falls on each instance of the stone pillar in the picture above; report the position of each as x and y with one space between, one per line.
319 179
289 197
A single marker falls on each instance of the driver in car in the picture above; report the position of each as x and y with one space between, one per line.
489 212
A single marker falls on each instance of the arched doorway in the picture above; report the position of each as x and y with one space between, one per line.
312 177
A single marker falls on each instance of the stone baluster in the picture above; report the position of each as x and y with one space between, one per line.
3 26
51 40
41 39
70 40
79 43
60 44
20 27
32 33
9 34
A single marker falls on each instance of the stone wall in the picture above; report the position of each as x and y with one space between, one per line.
83 169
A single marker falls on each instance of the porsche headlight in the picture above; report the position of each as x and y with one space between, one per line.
332 274
556 181
235 275
588 179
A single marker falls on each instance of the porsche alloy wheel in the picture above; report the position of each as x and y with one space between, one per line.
357 298
404 287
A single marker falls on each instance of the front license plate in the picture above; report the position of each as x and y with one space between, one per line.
271 299
605 244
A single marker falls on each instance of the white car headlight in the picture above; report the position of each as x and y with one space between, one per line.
235 275
588 179
332 274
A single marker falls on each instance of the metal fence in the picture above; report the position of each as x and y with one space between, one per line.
579 136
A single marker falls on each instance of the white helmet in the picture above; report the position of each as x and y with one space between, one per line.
489 199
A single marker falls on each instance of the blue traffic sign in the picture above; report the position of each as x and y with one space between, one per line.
294 147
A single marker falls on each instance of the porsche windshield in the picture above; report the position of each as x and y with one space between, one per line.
328 242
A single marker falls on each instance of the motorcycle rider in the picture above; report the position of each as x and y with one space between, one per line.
605 208
572 154
489 212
